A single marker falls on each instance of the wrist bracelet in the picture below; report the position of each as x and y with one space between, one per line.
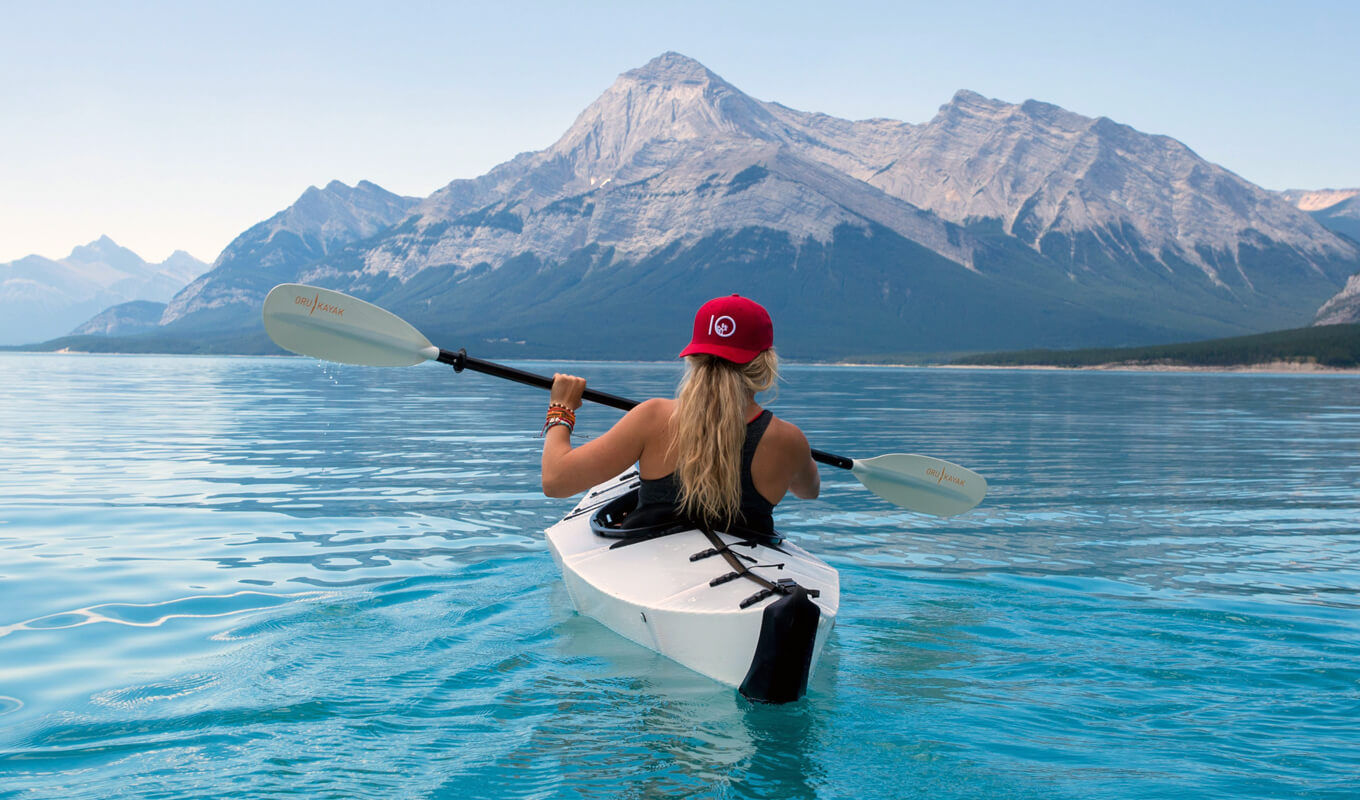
559 414
553 423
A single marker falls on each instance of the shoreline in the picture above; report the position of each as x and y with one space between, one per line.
1271 367
1267 368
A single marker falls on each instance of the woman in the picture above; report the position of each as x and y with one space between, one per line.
712 455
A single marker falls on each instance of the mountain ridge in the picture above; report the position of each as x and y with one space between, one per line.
991 225
268 253
41 298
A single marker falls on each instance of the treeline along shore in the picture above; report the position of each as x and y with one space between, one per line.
1318 348
1335 347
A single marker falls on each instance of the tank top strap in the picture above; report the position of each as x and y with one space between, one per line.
755 509
755 429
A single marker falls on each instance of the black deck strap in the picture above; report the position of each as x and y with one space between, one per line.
721 579
783 586
757 597
733 560
714 551
769 588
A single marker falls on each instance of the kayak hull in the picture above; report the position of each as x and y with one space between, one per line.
679 595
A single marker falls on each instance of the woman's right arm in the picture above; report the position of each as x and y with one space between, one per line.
806 481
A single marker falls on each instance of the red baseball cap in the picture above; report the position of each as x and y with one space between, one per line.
735 328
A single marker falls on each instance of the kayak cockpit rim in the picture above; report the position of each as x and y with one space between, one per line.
610 520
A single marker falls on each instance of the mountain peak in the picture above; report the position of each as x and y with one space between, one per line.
970 96
673 68
339 190
333 191
339 210
970 104
103 244
966 99
669 104
106 251
185 262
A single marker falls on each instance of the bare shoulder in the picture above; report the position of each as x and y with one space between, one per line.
787 437
648 418
654 411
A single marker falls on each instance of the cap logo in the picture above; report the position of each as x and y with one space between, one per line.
723 326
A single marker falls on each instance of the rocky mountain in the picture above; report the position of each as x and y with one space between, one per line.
1337 210
1055 179
991 226
669 154
123 319
41 298
321 222
1344 307
1334 209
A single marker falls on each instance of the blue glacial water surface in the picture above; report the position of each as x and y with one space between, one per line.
256 577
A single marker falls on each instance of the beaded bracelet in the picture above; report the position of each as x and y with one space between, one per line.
559 415
553 423
559 411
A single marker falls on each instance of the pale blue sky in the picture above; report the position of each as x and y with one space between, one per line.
177 125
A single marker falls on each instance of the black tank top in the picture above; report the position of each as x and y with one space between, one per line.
659 498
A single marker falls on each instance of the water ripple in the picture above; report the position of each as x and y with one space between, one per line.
150 615
274 578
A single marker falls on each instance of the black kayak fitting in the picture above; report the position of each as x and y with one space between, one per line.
783 659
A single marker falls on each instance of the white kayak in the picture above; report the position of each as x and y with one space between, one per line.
750 612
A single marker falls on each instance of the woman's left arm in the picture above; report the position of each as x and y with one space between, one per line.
567 470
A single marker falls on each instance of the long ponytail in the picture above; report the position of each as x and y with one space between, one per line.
710 428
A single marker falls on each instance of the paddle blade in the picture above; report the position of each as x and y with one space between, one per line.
921 483
333 326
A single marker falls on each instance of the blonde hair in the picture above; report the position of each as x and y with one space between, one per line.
710 428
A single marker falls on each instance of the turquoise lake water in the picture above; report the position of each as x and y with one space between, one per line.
237 577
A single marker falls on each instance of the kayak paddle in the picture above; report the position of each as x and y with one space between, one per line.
329 325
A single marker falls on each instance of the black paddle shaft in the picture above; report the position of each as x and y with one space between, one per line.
460 361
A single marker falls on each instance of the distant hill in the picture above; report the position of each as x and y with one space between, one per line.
125 318
219 311
1334 346
41 298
